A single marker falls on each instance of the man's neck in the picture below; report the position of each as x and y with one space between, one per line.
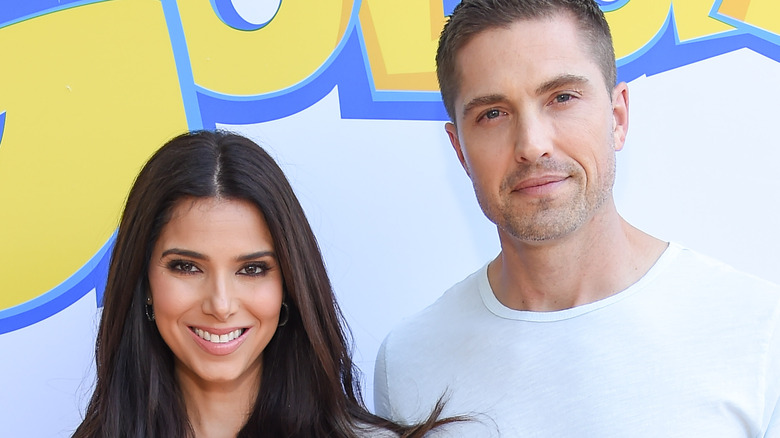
603 257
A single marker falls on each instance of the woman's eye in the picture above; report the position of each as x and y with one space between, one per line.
185 266
182 266
256 269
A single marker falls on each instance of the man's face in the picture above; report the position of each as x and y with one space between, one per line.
536 128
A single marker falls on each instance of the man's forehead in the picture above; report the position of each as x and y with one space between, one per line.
535 59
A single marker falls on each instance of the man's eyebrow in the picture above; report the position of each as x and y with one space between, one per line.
482 101
561 81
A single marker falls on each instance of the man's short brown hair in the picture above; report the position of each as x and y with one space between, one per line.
471 17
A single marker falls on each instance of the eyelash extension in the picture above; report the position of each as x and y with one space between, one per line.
263 268
176 266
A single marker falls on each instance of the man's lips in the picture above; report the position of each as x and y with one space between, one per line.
538 182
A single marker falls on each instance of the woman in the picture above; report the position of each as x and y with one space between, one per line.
219 318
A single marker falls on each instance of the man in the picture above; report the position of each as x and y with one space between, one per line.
583 326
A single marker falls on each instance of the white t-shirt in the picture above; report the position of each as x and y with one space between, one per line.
690 350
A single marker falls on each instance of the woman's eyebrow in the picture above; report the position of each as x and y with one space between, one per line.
255 255
184 253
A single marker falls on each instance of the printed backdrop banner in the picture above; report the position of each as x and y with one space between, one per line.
344 95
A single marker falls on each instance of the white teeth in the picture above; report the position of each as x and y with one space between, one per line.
218 339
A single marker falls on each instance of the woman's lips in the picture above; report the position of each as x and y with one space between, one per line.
219 342
216 337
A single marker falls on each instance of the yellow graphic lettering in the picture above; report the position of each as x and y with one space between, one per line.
693 20
88 94
401 39
298 40
636 24
736 9
763 14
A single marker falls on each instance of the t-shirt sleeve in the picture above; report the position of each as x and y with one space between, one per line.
774 423
773 381
381 390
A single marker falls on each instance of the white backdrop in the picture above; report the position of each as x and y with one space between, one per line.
397 221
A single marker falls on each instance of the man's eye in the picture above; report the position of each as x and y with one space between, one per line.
563 98
492 114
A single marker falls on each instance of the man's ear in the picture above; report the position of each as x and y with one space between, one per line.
620 114
452 132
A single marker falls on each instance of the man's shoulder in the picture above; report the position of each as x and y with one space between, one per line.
693 267
414 364
708 287
456 303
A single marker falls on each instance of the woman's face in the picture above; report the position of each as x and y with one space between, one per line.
216 290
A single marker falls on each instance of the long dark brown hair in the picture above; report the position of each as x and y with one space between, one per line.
310 387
